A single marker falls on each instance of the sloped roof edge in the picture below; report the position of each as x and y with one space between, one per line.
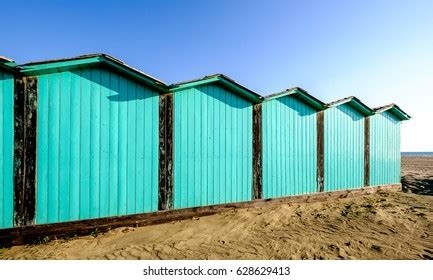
48 66
394 109
301 94
355 103
7 64
220 79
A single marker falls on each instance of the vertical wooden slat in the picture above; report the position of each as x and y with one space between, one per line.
6 149
320 151
165 196
25 106
31 105
170 151
257 152
367 151
19 151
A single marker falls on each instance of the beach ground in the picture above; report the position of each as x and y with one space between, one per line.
385 225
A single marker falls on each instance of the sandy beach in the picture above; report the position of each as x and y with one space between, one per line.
385 225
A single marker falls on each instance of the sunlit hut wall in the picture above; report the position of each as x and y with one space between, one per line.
290 143
213 141
91 137
97 139
385 154
344 135
6 142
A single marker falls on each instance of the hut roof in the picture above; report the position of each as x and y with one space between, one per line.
354 103
395 110
301 94
222 80
88 60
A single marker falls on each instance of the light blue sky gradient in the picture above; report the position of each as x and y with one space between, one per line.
380 51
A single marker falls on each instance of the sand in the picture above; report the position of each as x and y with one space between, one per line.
385 225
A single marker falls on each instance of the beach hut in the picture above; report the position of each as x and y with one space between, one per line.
290 143
385 154
344 145
91 142
97 139
6 141
213 141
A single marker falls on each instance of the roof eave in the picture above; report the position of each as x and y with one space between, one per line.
90 61
8 65
157 84
222 80
57 66
354 103
302 95
9 69
395 110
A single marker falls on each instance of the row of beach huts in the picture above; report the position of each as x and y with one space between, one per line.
91 137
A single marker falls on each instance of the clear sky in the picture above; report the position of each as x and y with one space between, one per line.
380 51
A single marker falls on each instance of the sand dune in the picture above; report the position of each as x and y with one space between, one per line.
385 225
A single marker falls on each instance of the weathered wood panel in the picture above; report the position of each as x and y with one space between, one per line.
25 109
257 152
320 151
165 196
367 151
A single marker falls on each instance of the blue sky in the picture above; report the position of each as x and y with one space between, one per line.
380 51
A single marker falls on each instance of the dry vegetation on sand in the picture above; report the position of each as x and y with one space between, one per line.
385 225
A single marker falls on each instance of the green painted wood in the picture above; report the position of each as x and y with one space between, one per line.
64 141
97 146
289 147
114 200
131 151
344 148
38 69
222 80
212 147
53 147
84 79
385 155
6 149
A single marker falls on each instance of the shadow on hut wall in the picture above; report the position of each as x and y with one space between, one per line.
297 105
123 89
119 87
417 186
223 95
350 112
